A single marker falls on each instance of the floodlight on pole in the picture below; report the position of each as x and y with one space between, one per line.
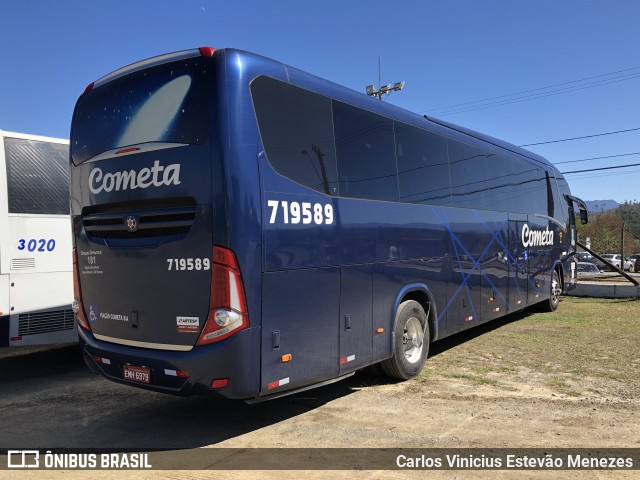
384 89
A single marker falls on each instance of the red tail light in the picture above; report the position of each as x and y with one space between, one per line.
228 306
78 307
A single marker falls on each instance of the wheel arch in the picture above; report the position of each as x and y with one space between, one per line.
420 293
558 266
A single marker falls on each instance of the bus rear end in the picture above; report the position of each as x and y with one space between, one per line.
159 297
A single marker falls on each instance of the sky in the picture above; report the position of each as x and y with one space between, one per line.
522 71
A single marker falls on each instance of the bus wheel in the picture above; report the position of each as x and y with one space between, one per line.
411 342
552 303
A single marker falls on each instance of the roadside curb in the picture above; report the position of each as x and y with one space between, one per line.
605 290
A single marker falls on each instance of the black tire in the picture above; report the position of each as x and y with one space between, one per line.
551 304
410 342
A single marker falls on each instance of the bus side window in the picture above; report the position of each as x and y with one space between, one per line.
366 154
423 168
297 133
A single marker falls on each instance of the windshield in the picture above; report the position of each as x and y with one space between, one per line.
165 103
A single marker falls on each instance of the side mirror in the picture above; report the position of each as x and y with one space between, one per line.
584 216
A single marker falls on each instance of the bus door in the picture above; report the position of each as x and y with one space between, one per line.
356 317
518 264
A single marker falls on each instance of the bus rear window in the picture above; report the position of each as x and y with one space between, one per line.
165 103
37 176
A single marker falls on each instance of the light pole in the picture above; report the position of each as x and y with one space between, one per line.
385 89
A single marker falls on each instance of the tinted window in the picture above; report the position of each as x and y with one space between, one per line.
563 188
297 133
423 168
528 191
502 188
166 103
558 202
467 166
37 176
366 154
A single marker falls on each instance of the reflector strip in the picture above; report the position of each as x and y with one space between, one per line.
278 383
15 339
469 318
106 361
497 309
219 383
518 302
348 359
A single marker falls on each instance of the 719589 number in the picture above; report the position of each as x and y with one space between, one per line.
188 263
305 212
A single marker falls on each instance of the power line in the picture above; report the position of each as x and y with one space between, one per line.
531 90
588 176
518 97
602 168
579 138
597 158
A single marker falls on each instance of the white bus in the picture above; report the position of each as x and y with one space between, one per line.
36 283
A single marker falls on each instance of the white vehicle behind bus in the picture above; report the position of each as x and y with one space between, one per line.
36 283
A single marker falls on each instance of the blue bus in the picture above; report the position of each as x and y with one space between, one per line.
247 229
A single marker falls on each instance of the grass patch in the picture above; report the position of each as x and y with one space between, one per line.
583 338
480 379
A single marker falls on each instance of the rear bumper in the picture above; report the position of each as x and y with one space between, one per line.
236 359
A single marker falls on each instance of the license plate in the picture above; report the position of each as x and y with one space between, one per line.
137 374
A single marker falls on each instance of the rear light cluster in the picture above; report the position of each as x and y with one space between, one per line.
228 306
78 307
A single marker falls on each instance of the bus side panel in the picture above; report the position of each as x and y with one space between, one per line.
36 297
300 312
355 317
495 266
518 264
465 248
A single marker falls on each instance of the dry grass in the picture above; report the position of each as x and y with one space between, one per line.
594 338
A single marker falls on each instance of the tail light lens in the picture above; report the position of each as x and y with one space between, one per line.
228 305
78 307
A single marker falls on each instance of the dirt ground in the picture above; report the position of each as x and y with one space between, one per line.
48 399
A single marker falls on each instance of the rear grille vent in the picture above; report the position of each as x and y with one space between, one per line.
148 233
136 225
45 322
22 263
